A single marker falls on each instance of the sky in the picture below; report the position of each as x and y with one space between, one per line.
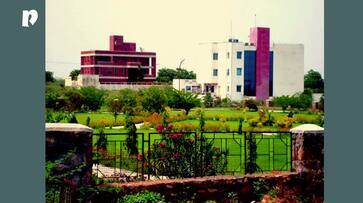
177 30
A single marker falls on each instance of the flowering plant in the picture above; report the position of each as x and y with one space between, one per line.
180 154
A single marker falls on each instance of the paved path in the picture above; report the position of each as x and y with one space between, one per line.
120 175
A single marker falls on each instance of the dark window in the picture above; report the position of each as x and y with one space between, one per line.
239 88
239 72
103 58
239 54
227 72
215 56
215 72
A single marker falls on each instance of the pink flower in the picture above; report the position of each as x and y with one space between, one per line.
170 126
139 157
177 155
159 128
175 136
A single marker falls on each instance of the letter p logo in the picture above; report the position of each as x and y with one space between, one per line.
29 16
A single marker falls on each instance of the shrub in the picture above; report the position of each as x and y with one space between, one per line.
208 100
213 127
131 140
188 127
143 197
153 119
253 122
93 97
251 104
285 122
178 155
153 99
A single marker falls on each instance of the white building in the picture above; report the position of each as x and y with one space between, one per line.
256 69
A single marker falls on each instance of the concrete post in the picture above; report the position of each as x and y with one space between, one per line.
61 138
307 148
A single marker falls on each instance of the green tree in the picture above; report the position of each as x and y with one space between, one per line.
314 81
153 99
282 101
49 76
74 74
93 97
72 99
208 100
168 74
125 101
132 135
185 100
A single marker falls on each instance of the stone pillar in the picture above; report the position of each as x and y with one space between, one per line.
307 148
63 138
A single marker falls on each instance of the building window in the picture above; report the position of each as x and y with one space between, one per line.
188 88
215 56
239 72
239 54
116 71
227 88
239 88
227 72
227 55
215 72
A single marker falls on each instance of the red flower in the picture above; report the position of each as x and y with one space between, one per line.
161 144
175 136
170 126
161 158
159 128
139 157
191 140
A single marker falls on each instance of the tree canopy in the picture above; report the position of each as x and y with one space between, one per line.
49 76
168 74
74 74
314 81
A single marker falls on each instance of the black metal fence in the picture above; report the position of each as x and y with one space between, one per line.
191 154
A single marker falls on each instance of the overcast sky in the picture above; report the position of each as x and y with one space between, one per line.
174 29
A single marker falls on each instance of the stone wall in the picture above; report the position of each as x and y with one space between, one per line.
71 143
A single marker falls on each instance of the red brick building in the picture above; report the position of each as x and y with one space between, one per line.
121 64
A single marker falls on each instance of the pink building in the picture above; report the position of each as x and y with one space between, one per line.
121 64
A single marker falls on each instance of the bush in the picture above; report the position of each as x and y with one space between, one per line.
285 122
143 197
253 122
153 99
208 100
213 127
177 155
251 104
93 97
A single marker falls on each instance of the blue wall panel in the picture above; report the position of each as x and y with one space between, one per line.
250 73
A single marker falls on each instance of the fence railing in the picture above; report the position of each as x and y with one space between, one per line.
190 154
